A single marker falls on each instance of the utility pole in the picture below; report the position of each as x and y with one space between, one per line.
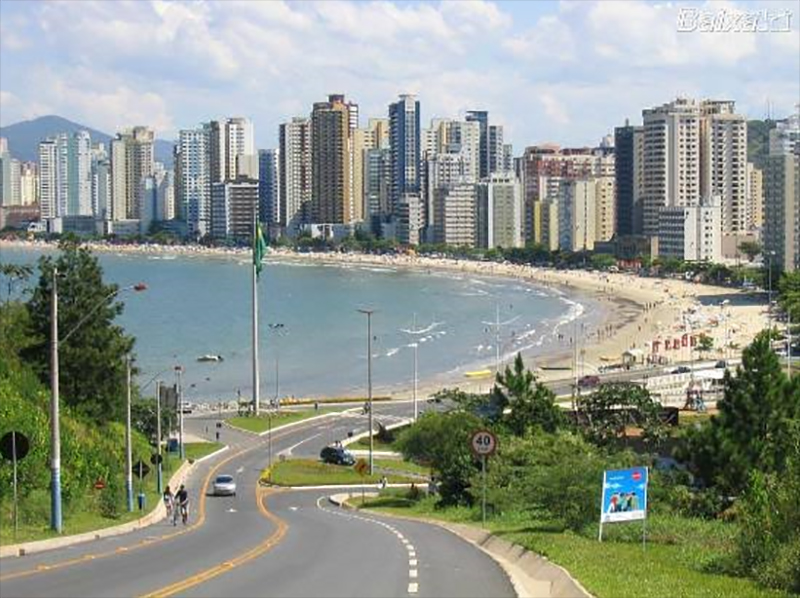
128 451
496 325
55 432
369 313
789 340
415 345
179 370
159 470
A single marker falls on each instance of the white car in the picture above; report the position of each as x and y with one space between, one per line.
224 485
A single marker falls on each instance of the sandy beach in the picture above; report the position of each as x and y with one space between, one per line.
641 310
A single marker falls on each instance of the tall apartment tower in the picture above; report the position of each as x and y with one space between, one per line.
131 162
404 143
240 149
782 197
75 152
269 208
101 182
627 144
379 129
671 159
193 178
482 118
723 159
331 160
48 167
496 150
28 184
755 197
294 173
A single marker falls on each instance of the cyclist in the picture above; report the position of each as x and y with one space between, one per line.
182 500
169 501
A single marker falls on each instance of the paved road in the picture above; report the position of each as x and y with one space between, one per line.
261 544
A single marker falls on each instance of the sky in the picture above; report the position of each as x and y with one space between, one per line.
565 72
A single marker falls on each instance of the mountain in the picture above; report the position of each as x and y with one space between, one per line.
24 137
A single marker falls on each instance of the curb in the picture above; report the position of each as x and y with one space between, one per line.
357 437
532 575
356 489
18 550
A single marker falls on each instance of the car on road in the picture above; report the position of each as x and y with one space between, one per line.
224 485
721 364
337 456
683 369
589 381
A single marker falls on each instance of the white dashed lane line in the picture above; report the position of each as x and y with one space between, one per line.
413 562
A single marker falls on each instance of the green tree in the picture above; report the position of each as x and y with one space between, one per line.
609 412
789 294
442 441
705 343
751 249
603 261
92 359
530 402
751 430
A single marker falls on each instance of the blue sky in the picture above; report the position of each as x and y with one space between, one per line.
564 72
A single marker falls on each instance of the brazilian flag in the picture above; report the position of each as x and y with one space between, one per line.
259 249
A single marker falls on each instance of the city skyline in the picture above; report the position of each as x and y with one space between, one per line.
527 69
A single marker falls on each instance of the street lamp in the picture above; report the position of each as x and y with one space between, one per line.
279 330
770 254
179 371
369 313
55 430
159 477
415 345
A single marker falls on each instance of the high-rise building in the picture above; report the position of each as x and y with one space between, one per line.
240 149
234 208
628 193
455 214
377 186
404 142
75 182
131 162
482 118
269 208
294 173
193 173
28 184
500 211
691 233
159 198
671 159
331 161
508 158
379 129
723 159
755 197
217 144
48 167
785 135
362 142
781 233
605 208
100 173
409 219
577 217
9 180
496 149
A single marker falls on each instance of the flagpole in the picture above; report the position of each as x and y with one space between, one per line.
256 402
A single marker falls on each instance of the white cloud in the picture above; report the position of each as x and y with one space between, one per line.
550 39
554 108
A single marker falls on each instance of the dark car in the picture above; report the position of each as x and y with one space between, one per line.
589 381
684 369
336 456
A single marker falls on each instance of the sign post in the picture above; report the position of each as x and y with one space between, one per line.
483 444
362 467
141 469
624 498
14 446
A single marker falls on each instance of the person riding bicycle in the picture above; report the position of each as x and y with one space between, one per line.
169 501
182 505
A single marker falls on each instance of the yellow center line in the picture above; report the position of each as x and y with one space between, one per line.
115 552
203 576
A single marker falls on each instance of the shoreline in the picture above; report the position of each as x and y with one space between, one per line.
638 309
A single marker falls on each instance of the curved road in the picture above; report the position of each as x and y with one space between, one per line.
265 542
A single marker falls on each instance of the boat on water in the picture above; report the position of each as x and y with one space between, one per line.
479 374
210 358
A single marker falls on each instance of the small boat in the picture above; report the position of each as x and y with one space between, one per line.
210 358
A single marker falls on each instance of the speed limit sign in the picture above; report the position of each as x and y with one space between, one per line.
484 443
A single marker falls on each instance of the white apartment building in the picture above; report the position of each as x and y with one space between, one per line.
28 184
785 135
454 212
48 167
131 162
294 165
193 179
499 212
605 208
691 233
240 149
410 220
723 162
577 217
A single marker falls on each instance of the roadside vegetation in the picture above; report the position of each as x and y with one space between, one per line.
262 422
723 515
93 391
309 472
198 450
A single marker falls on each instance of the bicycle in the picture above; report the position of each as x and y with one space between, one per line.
184 512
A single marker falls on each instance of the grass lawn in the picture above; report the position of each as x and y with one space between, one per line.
362 444
679 560
82 516
261 423
198 450
307 472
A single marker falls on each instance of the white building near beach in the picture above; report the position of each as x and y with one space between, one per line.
691 233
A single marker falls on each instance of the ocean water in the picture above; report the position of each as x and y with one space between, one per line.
197 305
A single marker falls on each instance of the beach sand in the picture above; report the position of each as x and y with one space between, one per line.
640 310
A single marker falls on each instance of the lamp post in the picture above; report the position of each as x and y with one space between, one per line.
159 467
128 448
415 345
369 313
278 329
179 371
769 306
56 520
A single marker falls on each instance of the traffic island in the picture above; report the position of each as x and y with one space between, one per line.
308 472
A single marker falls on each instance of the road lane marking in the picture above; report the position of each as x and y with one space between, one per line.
412 562
413 573
208 574
44 568
413 588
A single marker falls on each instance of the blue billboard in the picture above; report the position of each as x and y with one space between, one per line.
624 495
